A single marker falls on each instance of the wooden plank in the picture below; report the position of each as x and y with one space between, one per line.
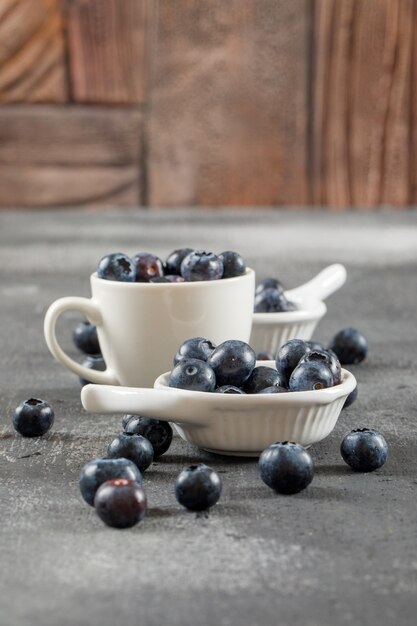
107 49
32 52
66 156
361 102
228 117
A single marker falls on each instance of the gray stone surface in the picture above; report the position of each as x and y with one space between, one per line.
341 553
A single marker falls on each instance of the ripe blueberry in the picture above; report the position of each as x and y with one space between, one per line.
147 266
194 375
85 338
157 432
271 300
198 487
309 376
233 362
327 357
195 348
350 346
133 447
351 398
33 418
289 355
174 260
116 266
233 264
201 265
364 449
96 472
120 503
261 378
286 467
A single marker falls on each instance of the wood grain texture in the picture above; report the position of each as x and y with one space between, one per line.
107 49
32 52
228 112
57 156
360 151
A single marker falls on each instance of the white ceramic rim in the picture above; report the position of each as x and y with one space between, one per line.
314 310
210 284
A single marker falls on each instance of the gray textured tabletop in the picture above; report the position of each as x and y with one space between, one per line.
343 552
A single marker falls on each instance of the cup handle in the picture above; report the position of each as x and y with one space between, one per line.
91 311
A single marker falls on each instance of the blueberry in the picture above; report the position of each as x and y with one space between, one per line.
274 389
233 264
33 418
116 266
169 278
230 389
93 363
350 346
264 356
233 362
198 487
272 300
364 449
194 375
261 378
351 398
147 266
195 348
173 262
310 375
120 503
133 447
96 472
157 432
289 355
269 283
85 338
201 265
286 467
327 357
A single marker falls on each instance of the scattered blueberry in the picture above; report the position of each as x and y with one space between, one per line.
310 376
147 266
351 398
350 346
194 375
157 432
173 262
289 355
364 449
274 389
233 264
264 356
96 472
85 338
195 348
133 447
327 357
93 363
201 265
33 418
116 266
261 378
233 362
272 300
230 389
269 283
198 487
120 503
286 467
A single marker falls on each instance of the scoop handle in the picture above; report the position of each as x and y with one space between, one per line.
321 286
166 405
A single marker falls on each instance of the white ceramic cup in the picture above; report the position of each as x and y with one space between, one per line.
141 325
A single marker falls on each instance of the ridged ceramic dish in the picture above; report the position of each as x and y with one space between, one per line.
271 330
238 425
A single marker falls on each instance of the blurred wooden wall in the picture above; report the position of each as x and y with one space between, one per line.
185 102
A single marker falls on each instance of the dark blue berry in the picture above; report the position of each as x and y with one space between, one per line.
269 283
147 267
327 357
350 346
272 300
120 503
264 356
201 265
310 376
133 447
274 390
93 363
198 487
351 398
233 264
233 362
286 467
85 338
96 472
194 375
364 449
230 389
261 378
33 418
289 355
195 348
157 432
173 262
116 266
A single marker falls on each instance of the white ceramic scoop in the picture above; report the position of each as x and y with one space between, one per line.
239 425
271 330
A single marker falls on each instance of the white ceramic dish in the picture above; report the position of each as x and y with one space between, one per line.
271 330
238 425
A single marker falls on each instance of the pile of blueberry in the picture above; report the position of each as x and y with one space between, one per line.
183 265
231 368
270 298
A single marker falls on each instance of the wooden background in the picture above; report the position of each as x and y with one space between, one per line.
192 102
